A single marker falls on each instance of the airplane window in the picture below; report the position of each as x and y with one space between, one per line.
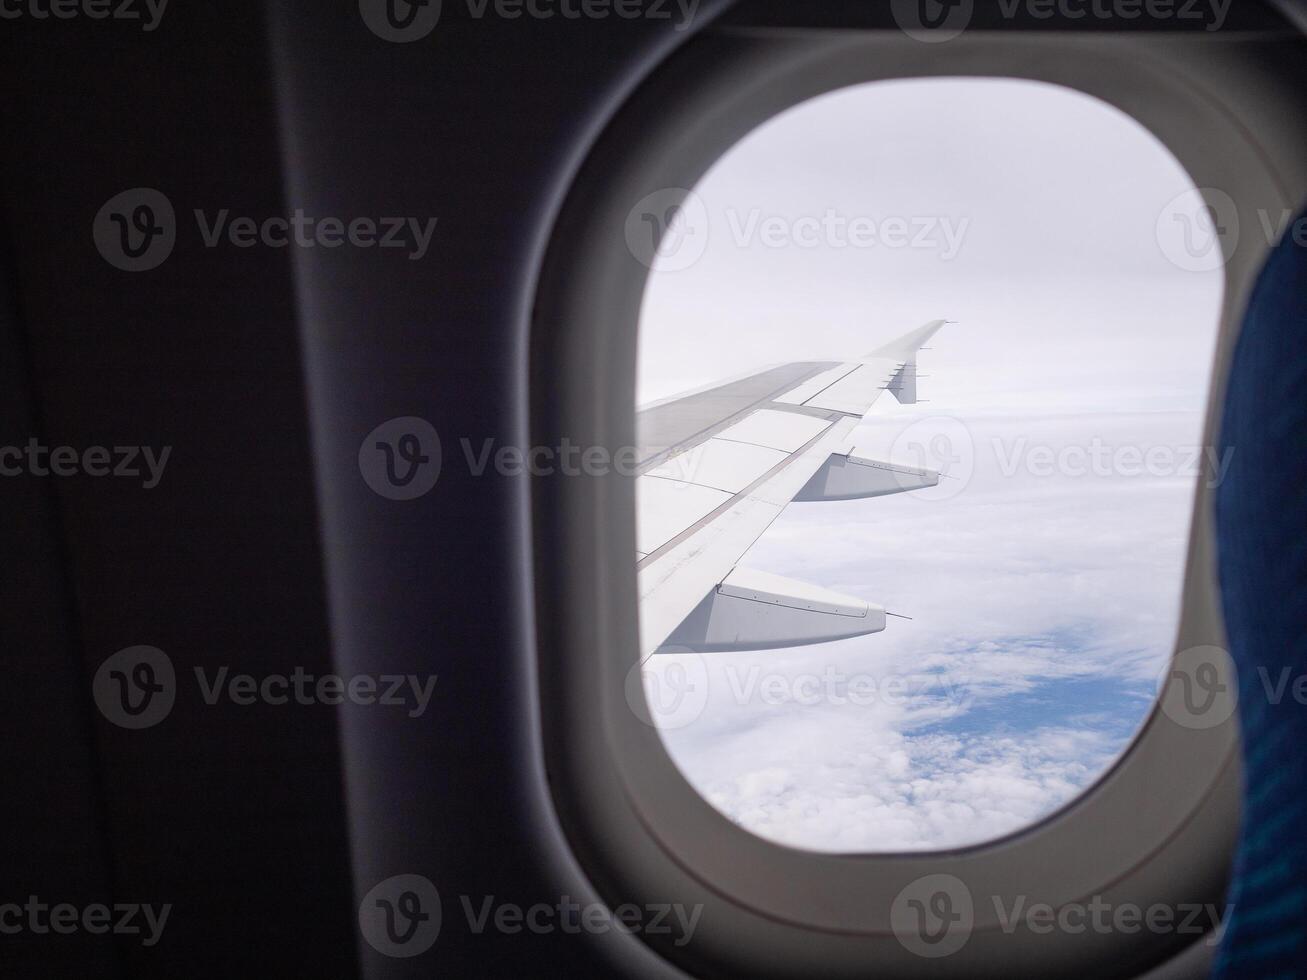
922 372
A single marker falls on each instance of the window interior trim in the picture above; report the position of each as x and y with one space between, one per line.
1222 108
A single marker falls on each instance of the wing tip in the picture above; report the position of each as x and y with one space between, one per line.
903 347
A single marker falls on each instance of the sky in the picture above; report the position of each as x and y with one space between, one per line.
1042 576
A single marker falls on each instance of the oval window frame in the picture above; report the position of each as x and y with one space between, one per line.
1162 822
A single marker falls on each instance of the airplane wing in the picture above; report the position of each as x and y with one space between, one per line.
716 467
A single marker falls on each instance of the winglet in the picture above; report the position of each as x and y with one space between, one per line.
905 348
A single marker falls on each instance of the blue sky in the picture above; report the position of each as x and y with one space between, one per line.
1043 595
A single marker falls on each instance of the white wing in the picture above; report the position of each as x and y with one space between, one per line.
718 466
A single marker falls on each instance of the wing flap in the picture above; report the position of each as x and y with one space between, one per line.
722 464
857 391
785 431
667 507
815 386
